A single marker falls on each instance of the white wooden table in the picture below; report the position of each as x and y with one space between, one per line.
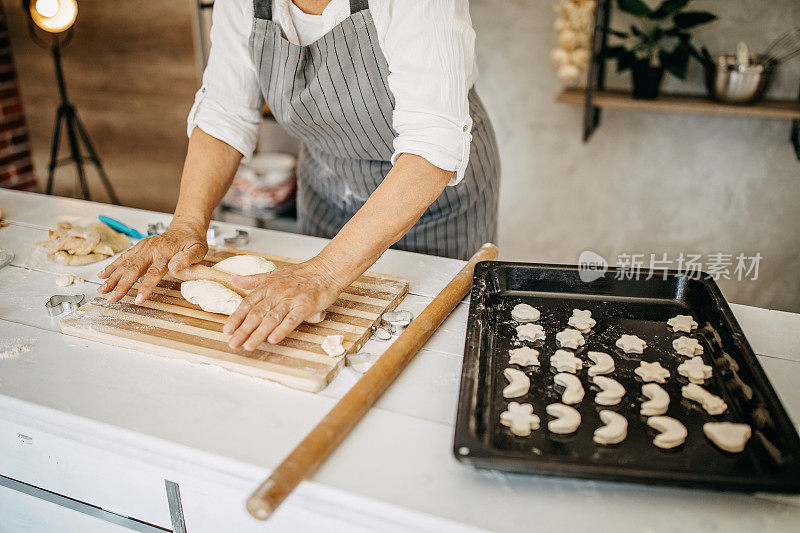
108 426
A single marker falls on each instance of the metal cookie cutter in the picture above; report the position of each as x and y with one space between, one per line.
6 256
156 229
392 323
63 303
216 236
396 321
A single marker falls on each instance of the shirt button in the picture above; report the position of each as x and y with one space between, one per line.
465 129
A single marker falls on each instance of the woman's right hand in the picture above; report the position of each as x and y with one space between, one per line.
182 245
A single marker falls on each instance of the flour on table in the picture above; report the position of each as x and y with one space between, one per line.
570 338
652 372
245 265
611 393
683 323
687 346
672 433
713 404
564 361
332 345
694 369
582 320
728 436
530 332
631 344
525 313
566 419
520 418
518 383
603 363
212 297
573 390
657 400
615 429
10 348
525 356
65 280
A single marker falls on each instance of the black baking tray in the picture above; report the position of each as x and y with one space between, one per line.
771 460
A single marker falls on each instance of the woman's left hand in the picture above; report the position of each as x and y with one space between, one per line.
280 300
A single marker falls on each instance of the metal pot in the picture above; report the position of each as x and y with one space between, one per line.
734 83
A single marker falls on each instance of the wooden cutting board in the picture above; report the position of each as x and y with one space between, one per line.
170 326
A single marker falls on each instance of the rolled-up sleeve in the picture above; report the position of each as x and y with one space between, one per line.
229 103
430 50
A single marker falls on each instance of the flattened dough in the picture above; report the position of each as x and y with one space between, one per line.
211 296
245 265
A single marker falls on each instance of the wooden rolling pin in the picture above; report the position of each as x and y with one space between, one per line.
323 439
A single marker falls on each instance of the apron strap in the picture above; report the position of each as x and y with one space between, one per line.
262 9
358 5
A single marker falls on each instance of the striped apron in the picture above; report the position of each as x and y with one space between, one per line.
333 96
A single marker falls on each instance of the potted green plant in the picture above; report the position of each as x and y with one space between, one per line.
660 40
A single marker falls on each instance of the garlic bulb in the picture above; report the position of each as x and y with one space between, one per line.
574 29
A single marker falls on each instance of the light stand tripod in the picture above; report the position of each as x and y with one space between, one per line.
76 133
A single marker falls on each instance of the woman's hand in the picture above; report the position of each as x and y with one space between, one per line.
182 245
280 300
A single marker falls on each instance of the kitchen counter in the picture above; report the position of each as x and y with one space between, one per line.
108 426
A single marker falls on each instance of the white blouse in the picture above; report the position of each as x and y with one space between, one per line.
429 46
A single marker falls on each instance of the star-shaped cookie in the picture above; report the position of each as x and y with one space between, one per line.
694 369
652 372
525 356
687 346
564 361
582 320
631 344
683 323
570 338
530 332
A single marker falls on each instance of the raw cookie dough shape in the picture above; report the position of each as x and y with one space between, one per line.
713 404
573 392
611 393
520 418
631 344
652 372
672 433
683 323
567 419
530 332
657 400
582 320
518 383
564 361
525 313
211 296
687 346
64 280
694 369
728 436
615 429
245 265
603 363
332 345
525 356
570 338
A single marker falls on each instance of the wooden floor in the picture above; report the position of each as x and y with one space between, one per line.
132 78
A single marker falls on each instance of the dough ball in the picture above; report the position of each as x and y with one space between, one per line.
569 73
211 296
245 265
560 57
579 57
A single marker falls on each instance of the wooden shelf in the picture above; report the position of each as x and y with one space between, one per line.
770 109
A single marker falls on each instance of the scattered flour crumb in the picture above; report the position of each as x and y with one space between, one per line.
11 348
64 280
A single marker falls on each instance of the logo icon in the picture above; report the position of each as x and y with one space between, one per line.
591 266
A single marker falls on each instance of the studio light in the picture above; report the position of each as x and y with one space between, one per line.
51 27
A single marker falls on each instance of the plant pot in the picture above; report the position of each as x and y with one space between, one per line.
646 80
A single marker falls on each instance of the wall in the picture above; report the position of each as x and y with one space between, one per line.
16 166
130 73
645 183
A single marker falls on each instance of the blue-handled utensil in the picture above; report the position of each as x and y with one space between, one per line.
120 227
